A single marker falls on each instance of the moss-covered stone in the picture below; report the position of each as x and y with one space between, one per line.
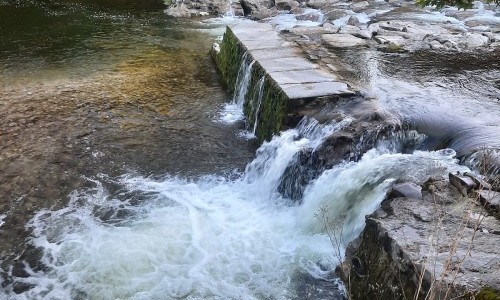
229 58
273 107
487 293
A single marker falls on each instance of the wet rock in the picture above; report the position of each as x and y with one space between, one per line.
463 184
286 4
349 29
257 8
348 144
343 40
474 40
336 14
317 4
360 6
420 249
264 13
478 181
179 11
390 40
311 16
353 21
407 189
191 8
490 199
330 27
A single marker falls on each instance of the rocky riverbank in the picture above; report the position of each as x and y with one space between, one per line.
434 240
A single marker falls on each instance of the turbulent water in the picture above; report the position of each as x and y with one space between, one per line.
213 237
116 163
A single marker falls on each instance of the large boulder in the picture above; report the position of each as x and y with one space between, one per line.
254 7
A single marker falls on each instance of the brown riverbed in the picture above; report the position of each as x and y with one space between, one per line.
90 88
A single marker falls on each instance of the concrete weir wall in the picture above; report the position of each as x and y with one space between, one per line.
290 80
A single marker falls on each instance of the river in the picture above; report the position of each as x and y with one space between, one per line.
119 181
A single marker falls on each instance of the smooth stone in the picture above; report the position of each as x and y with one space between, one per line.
474 40
343 40
407 190
390 40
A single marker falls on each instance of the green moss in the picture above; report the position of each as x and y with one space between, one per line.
229 58
487 293
272 110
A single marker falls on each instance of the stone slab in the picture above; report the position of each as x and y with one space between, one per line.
316 89
254 27
302 76
286 64
258 36
270 53
263 44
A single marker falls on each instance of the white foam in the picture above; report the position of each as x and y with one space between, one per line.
2 217
285 20
212 238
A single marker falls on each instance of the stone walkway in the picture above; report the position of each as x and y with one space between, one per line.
285 64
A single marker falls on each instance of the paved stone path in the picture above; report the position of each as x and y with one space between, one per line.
285 64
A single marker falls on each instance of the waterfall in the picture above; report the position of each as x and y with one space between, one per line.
233 111
258 99
230 10
214 237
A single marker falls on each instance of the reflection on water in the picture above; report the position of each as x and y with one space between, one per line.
91 87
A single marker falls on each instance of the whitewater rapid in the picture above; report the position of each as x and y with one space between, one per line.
213 237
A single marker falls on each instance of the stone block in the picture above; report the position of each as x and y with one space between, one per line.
275 53
263 44
286 64
312 90
302 76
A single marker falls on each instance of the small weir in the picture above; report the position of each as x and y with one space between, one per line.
261 231
291 81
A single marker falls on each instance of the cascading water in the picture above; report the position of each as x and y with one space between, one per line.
258 99
213 237
230 11
233 111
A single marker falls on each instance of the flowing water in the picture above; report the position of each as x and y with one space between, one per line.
113 164
454 98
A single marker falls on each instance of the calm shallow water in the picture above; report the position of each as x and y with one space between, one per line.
102 87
